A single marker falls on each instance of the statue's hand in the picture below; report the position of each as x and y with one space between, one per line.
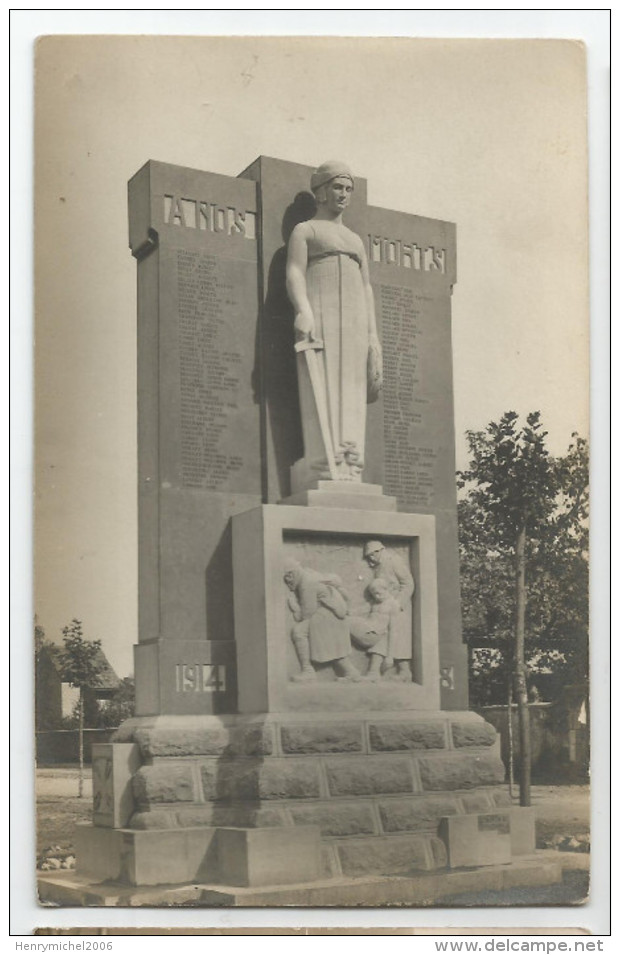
304 323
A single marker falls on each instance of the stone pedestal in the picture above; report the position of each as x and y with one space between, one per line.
332 540
354 496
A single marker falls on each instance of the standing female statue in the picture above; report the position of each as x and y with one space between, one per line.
339 356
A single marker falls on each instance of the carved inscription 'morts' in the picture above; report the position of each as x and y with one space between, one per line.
209 367
407 255
409 466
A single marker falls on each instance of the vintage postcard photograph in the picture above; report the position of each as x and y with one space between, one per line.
311 475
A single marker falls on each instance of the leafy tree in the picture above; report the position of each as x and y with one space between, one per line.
46 716
81 666
40 640
523 536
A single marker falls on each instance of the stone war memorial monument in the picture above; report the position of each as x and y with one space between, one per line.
302 733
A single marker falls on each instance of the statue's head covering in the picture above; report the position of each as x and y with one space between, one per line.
330 170
371 547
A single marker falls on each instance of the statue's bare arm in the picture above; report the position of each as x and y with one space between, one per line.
296 264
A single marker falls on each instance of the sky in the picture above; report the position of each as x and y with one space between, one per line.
488 134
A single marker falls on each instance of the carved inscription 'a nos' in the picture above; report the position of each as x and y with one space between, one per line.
409 467
209 216
209 370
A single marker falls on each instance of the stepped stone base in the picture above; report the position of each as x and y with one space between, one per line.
244 857
67 889
330 796
315 493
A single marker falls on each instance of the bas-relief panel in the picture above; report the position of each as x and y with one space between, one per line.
343 557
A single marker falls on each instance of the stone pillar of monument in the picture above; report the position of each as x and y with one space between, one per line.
301 715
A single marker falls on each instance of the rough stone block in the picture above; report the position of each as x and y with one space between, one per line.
406 735
384 854
156 819
250 740
163 783
460 771
439 851
249 779
336 820
476 839
146 858
473 734
370 776
406 814
245 817
522 830
330 863
477 802
268 856
99 852
113 766
326 738
501 798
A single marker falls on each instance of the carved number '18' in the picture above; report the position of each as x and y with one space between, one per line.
200 678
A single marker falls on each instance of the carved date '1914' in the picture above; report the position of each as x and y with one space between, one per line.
200 678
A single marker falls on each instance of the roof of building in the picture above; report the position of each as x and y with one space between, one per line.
106 678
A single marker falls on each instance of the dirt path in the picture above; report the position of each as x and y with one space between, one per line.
568 805
62 781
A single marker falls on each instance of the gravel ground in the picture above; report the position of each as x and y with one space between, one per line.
572 890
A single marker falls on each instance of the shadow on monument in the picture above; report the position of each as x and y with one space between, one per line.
219 610
276 356
238 786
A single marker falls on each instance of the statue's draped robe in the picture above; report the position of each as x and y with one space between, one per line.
337 298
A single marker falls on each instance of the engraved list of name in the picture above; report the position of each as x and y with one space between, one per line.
409 467
209 370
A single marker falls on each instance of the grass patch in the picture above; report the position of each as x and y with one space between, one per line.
57 817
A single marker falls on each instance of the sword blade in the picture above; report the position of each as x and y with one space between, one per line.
314 373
